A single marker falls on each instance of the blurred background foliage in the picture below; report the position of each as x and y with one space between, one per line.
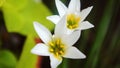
100 44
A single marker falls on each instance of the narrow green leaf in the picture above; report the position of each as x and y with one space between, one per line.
104 23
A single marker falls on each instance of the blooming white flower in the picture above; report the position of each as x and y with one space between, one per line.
56 46
74 17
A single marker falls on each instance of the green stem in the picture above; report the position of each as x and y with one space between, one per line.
65 63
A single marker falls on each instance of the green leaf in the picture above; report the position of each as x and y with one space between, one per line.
100 36
7 59
16 3
28 60
19 18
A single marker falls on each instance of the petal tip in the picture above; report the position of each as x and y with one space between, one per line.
32 51
35 23
84 57
91 7
92 26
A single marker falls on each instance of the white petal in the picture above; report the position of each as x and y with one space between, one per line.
68 31
74 5
60 7
85 25
54 62
54 18
41 49
60 27
78 7
74 53
72 38
84 13
43 32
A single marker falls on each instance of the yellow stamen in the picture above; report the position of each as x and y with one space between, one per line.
61 52
58 42
72 21
57 54
51 50
62 46
51 44
57 48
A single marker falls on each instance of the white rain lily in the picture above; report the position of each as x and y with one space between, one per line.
56 46
74 17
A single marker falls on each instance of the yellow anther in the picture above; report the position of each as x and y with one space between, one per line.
61 52
58 42
57 54
72 21
71 27
51 44
56 47
74 26
62 46
51 50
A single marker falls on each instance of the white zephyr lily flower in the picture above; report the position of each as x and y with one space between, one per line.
56 46
74 17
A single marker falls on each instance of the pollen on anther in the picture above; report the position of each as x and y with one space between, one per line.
72 21
51 50
56 47
51 44
58 42
61 52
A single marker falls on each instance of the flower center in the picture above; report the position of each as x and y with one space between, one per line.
72 21
57 48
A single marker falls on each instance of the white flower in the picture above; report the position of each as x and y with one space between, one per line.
74 17
56 46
